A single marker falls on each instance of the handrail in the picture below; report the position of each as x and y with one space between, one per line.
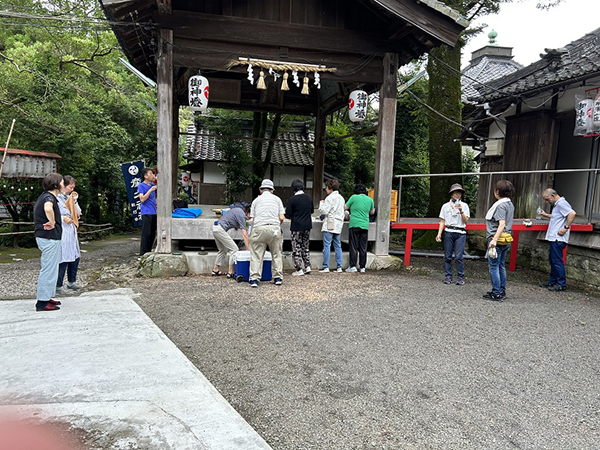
503 172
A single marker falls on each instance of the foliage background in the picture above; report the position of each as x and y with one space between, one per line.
63 83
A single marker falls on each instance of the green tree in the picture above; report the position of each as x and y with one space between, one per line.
411 150
236 159
260 162
339 156
63 82
444 96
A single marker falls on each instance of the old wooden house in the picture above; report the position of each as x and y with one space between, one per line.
528 119
291 159
334 46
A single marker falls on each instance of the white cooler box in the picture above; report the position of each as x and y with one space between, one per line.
241 266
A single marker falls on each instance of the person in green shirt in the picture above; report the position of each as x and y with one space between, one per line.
360 206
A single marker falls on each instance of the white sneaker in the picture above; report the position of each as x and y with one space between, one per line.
307 270
351 269
324 270
339 270
363 270
298 273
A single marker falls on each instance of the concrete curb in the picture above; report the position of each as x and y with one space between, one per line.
102 365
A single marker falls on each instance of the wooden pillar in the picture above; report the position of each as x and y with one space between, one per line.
384 163
175 152
319 167
164 200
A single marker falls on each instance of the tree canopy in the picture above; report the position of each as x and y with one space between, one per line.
61 79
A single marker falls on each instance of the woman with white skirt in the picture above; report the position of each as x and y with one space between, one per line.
70 252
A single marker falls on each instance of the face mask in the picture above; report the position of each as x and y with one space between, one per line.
552 203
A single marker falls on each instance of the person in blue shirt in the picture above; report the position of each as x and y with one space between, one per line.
558 237
147 194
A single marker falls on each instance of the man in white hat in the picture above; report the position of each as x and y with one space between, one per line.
267 213
454 216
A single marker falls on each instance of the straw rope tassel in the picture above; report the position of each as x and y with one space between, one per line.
305 85
284 83
261 81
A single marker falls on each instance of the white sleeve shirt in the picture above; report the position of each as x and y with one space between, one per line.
452 216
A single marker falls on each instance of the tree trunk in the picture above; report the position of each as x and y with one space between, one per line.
259 127
444 96
259 130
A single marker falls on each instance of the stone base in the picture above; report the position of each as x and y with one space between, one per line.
203 263
387 262
581 263
158 265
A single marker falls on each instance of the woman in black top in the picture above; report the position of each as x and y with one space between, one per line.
48 232
299 210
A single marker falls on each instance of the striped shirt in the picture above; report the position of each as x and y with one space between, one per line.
69 242
266 209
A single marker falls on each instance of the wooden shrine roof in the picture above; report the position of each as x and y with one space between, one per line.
351 36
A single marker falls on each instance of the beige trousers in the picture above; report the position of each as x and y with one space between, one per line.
226 245
260 238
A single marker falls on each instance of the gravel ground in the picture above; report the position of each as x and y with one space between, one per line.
384 360
392 360
105 264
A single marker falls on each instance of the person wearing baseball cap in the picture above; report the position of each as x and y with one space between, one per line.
267 213
454 216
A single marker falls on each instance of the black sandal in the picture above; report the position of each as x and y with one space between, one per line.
217 273
230 276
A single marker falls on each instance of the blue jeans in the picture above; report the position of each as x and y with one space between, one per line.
70 268
557 266
497 269
454 242
46 285
337 247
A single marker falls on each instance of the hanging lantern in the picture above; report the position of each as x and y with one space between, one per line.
596 112
583 116
198 93
357 106
185 179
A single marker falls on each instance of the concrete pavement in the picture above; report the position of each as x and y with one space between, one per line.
101 365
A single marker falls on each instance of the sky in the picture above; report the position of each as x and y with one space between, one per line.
529 30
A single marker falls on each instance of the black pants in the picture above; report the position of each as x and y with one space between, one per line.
148 233
358 245
70 268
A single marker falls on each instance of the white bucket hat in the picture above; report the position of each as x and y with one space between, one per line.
267 184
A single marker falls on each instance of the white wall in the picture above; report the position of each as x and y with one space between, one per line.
284 175
213 173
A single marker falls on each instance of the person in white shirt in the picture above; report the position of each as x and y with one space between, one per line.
454 216
332 209
267 213
558 237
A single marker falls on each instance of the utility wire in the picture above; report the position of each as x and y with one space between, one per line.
460 125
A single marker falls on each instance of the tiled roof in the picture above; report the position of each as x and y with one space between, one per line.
580 58
297 150
484 70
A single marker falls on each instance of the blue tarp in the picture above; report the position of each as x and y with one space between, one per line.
187 213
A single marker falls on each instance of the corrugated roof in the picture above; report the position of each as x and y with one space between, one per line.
297 150
18 151
580 58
